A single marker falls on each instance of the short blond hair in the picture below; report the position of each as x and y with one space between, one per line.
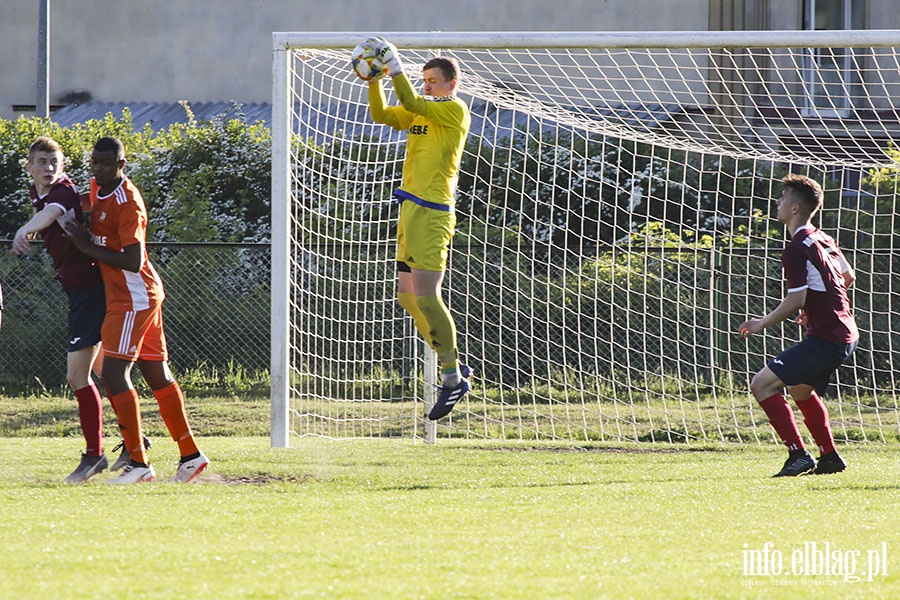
43 144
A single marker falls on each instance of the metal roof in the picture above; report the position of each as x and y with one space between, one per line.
350 119
162 115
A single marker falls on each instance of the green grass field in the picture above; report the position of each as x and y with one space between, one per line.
399 519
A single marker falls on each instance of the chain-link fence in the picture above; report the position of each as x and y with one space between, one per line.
216 311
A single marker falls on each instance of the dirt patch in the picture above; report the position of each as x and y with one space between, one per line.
253 479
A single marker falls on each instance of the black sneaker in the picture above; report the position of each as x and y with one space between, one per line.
830 463
799 462
125 458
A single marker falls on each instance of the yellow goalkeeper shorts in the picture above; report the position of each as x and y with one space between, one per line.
423 236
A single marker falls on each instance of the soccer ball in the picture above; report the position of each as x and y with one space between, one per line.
365 64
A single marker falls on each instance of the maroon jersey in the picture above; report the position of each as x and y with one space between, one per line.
74 269
812 260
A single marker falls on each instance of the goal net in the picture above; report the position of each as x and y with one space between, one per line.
616 225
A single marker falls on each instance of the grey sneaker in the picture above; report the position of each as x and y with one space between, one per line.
124 458
87 468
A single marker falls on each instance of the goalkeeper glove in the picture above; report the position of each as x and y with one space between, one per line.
370 44
387 53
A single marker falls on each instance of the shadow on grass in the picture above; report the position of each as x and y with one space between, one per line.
215 478
607 449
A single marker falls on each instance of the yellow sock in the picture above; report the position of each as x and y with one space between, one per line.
442 329
409 304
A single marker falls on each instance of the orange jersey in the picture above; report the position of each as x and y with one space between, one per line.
119 220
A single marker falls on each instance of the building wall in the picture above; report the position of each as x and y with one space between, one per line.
220 50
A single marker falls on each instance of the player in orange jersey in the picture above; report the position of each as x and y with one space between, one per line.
133 327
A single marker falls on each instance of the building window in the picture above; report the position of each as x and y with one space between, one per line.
828 79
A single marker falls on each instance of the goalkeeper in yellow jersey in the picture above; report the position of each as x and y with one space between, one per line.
437 125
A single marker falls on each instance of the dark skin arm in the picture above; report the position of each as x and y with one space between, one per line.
129 259
117 372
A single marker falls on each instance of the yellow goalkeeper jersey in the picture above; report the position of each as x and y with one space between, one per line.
436 130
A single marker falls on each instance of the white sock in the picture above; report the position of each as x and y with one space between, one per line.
451 377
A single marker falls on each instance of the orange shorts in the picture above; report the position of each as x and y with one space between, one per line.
134 335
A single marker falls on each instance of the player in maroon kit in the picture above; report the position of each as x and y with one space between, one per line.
818 277
54 200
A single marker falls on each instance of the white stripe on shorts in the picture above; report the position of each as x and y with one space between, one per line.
127 331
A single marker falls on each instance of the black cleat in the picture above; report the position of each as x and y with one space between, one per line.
830 463
798 463
125 458
447 399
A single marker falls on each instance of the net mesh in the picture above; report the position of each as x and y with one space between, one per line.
614 230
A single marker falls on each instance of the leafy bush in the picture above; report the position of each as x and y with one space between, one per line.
201 181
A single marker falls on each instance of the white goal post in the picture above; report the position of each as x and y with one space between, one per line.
615 227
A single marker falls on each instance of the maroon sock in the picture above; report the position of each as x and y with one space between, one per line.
782 419
815 414
90 413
